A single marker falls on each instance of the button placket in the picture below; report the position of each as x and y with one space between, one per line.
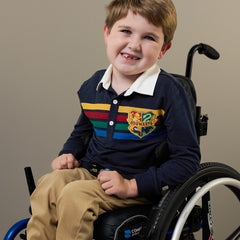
115 101
111 123
112 117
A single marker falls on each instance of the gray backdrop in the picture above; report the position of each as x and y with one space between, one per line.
48 48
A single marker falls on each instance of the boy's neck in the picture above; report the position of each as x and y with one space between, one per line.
121 83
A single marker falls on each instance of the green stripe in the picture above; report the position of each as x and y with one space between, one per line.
124 127
99 124
121 127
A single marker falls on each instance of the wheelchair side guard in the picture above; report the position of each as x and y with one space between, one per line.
15 229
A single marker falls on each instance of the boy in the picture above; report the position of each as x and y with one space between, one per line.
128 110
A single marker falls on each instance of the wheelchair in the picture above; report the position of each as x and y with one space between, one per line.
183 210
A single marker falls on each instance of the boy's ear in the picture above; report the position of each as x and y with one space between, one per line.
106 33
163 51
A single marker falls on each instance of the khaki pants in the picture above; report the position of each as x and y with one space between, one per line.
67 202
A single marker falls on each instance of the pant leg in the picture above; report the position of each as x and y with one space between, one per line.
65 207
43 223
79 205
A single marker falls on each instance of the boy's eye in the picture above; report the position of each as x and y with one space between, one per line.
149 38
126 31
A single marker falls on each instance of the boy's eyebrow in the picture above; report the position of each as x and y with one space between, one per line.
124 26
155 36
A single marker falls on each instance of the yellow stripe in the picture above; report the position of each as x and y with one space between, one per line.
158 112
122 109
96 106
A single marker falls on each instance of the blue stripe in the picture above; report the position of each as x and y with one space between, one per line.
100 133
130 136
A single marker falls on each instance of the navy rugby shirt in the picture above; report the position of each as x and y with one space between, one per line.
128 127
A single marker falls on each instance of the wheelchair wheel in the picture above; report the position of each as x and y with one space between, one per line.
167 211
17 231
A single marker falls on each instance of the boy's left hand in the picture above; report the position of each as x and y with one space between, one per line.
114 184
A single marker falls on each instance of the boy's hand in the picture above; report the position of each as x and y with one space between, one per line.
65 161
114 184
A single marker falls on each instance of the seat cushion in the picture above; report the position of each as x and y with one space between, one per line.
124 223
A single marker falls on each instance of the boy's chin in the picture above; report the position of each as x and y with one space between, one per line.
131 75
129 70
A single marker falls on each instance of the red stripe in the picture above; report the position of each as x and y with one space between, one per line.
97 115
122 118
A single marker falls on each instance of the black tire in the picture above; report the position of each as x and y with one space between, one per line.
175 199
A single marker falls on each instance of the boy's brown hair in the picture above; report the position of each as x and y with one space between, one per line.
158 12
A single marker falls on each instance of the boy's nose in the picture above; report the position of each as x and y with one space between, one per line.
134 44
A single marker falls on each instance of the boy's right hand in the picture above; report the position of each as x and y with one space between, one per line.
65 161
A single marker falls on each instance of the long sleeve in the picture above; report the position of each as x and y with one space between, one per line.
184 152
78 140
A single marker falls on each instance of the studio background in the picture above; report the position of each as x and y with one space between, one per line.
48 48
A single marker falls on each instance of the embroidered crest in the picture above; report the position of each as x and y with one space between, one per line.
141 124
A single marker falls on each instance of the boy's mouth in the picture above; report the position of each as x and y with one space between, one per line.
130 56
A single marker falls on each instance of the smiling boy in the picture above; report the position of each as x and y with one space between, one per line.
133 46
128 111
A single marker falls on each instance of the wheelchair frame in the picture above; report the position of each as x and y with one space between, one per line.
178 206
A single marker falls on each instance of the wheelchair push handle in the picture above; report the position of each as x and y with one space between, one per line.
202 48
208 51
30 179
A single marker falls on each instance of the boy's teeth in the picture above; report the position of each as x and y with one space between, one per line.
130 57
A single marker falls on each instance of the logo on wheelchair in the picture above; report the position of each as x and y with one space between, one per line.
132 233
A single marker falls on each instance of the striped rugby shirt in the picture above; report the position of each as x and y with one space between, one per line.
127 128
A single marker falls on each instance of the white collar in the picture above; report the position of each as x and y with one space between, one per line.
145 84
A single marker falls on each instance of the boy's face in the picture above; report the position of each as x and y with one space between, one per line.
133 45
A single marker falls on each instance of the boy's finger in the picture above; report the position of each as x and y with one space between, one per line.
70 164
106 185
103 177
76 163
63 163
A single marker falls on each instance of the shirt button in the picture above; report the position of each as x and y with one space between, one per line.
111 123
115 101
